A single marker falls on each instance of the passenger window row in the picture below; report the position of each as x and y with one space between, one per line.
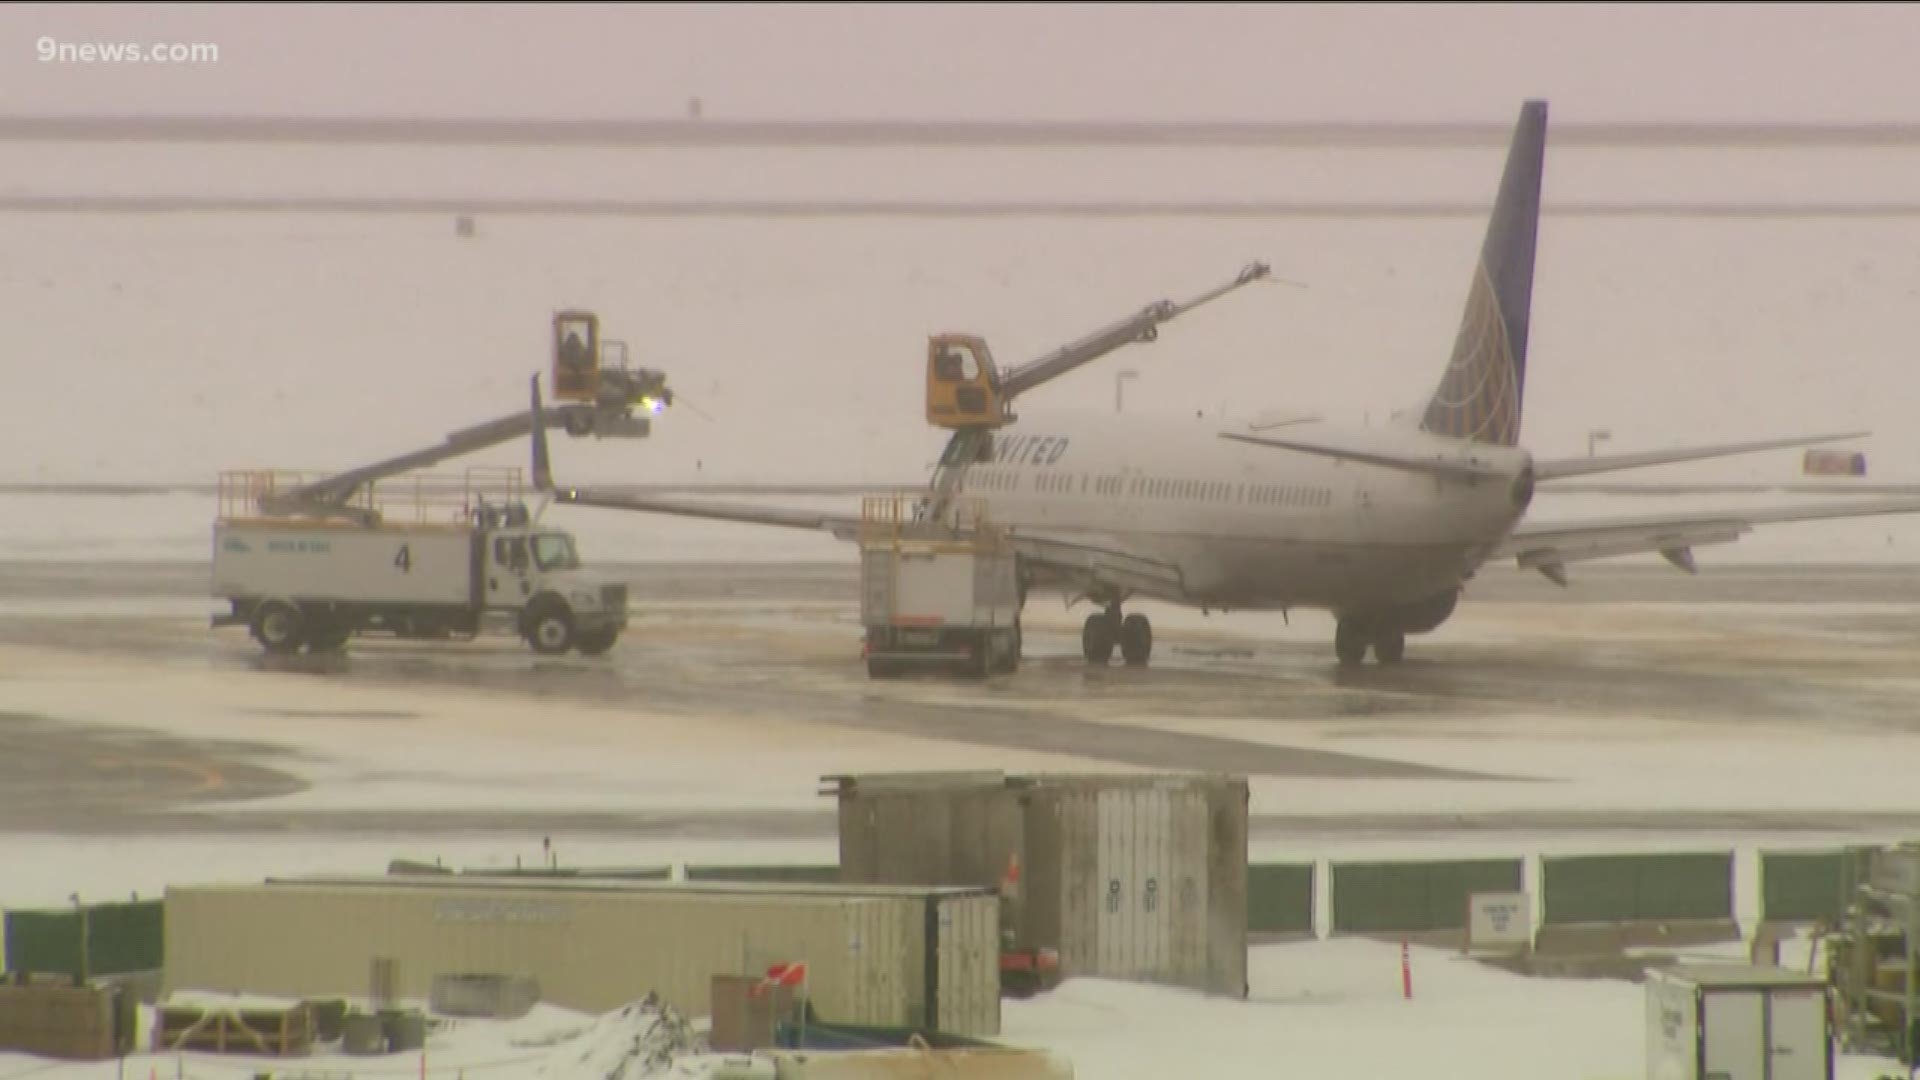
993 478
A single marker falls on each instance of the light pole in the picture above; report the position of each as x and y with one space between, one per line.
1119 380
1597 435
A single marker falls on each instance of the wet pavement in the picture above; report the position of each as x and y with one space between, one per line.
1836 646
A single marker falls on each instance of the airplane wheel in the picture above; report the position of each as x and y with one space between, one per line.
1136 640
1350 643
1097 639
1390 647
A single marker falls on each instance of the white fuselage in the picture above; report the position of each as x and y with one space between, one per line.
1251 526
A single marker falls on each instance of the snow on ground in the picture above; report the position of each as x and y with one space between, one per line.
1315 1009
1328 1007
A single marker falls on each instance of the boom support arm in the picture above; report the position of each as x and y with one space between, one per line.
1142 326
330 497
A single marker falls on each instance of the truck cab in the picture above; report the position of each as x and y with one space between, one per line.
536 574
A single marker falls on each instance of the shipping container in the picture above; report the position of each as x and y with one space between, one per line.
1737 1022
873 955
1126 877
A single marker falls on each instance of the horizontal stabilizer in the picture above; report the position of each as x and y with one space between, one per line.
1548 548
1586 466
1458 468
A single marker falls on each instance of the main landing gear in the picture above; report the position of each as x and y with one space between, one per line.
1104 630
1352 638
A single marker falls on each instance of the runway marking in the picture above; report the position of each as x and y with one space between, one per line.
210 778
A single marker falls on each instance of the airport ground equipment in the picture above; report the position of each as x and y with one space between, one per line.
1873 957
970 395
308 562
936 595
599 395
1737 1022
441 561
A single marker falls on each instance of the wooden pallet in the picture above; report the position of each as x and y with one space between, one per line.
281 1032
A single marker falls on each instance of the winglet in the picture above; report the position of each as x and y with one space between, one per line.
542 465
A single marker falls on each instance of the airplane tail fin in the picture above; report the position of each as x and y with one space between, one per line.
542 459
1480 395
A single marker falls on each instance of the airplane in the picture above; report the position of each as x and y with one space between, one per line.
1380 526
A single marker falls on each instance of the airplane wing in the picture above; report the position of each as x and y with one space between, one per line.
1080 560
1548 548
1084 561
1585 466
842 526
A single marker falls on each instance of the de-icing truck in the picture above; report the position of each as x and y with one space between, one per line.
313 583
306 563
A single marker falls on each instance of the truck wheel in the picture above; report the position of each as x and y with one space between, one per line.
981 664
882 669
279 628
550 629
596 642
1010 662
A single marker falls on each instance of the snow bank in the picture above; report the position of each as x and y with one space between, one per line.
640 1039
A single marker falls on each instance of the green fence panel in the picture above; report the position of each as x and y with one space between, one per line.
1378 896
124 938
1280 898
1687 886
1596 889
1409 897
121 938
1807 886
1638 888
43 941
1449 884
805 875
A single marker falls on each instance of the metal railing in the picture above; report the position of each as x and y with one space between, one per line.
421 498
907 515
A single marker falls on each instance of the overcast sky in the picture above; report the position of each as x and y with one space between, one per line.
1112 62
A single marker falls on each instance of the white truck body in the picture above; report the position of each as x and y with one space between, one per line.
308 561
944 602
1737 1022
938 585
312 584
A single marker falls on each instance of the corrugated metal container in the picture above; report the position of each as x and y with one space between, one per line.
1128 877
879 956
